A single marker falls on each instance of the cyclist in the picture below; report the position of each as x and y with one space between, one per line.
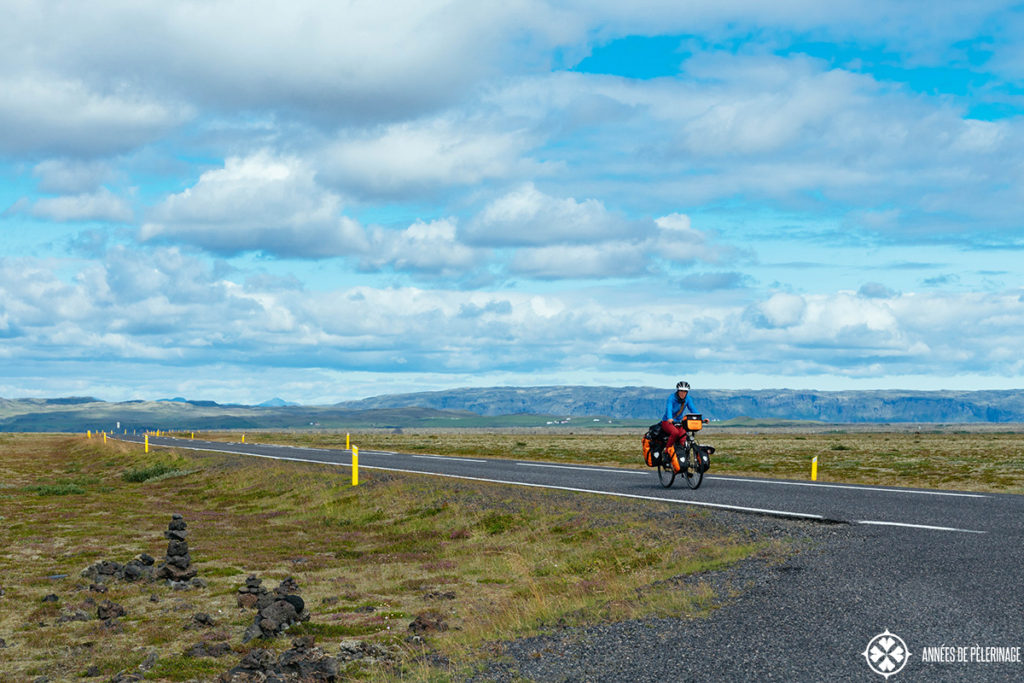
678 405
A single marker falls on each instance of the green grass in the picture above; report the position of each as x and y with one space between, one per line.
333 630
184 668
62 489
151 472
508 561
222 571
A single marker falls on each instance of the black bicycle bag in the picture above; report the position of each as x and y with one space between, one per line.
653 442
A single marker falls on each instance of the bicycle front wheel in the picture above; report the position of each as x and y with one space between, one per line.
692 471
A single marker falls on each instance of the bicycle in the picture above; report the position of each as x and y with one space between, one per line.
692 458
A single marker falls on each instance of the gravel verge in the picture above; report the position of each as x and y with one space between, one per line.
660 649
811 616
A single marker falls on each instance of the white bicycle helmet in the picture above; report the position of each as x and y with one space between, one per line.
683 386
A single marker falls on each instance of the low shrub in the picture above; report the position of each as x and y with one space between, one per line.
142 474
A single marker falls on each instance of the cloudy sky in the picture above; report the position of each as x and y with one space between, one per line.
233 200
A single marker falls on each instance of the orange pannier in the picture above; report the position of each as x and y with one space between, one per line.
676 466
693 423
648 457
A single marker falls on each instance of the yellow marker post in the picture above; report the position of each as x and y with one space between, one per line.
355 465
347 446
104 437
88 434
814 469
147 443
193 435
243 438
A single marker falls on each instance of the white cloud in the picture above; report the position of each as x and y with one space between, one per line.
46 114
353 61
678 240
875 290
411 158
607 260
430 248
164 304
529 217
257 203
443 120
101 205
72 176
781 310
791 133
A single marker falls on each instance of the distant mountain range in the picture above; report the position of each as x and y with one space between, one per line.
80 414
785 404
514 406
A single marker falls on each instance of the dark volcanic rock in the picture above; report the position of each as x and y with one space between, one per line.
439 595
275 610
249 595
205 649
359 650
428 622
109 610
177 564
106 571
176 547
72 615
288 586
247 600
304 662
133 571
201 620
126 677
109 568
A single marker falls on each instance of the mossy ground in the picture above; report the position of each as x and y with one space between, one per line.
494 562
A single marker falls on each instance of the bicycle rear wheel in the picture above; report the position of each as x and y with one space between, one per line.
666 475
692 472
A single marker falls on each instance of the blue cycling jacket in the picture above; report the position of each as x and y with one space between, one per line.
672 411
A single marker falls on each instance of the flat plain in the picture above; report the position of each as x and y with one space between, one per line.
987 457
490 563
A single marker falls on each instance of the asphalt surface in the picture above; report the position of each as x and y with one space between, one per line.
938 569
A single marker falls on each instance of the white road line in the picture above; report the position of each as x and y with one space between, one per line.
774 482
614 494
578 467
446 457
919 526
846 486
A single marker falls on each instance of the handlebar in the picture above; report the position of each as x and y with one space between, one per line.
691 416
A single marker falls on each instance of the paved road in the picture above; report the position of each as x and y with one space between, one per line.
937 568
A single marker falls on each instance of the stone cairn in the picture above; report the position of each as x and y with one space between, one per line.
177 565
138 569
275 610
304 662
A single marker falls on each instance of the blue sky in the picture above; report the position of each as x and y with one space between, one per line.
234 201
